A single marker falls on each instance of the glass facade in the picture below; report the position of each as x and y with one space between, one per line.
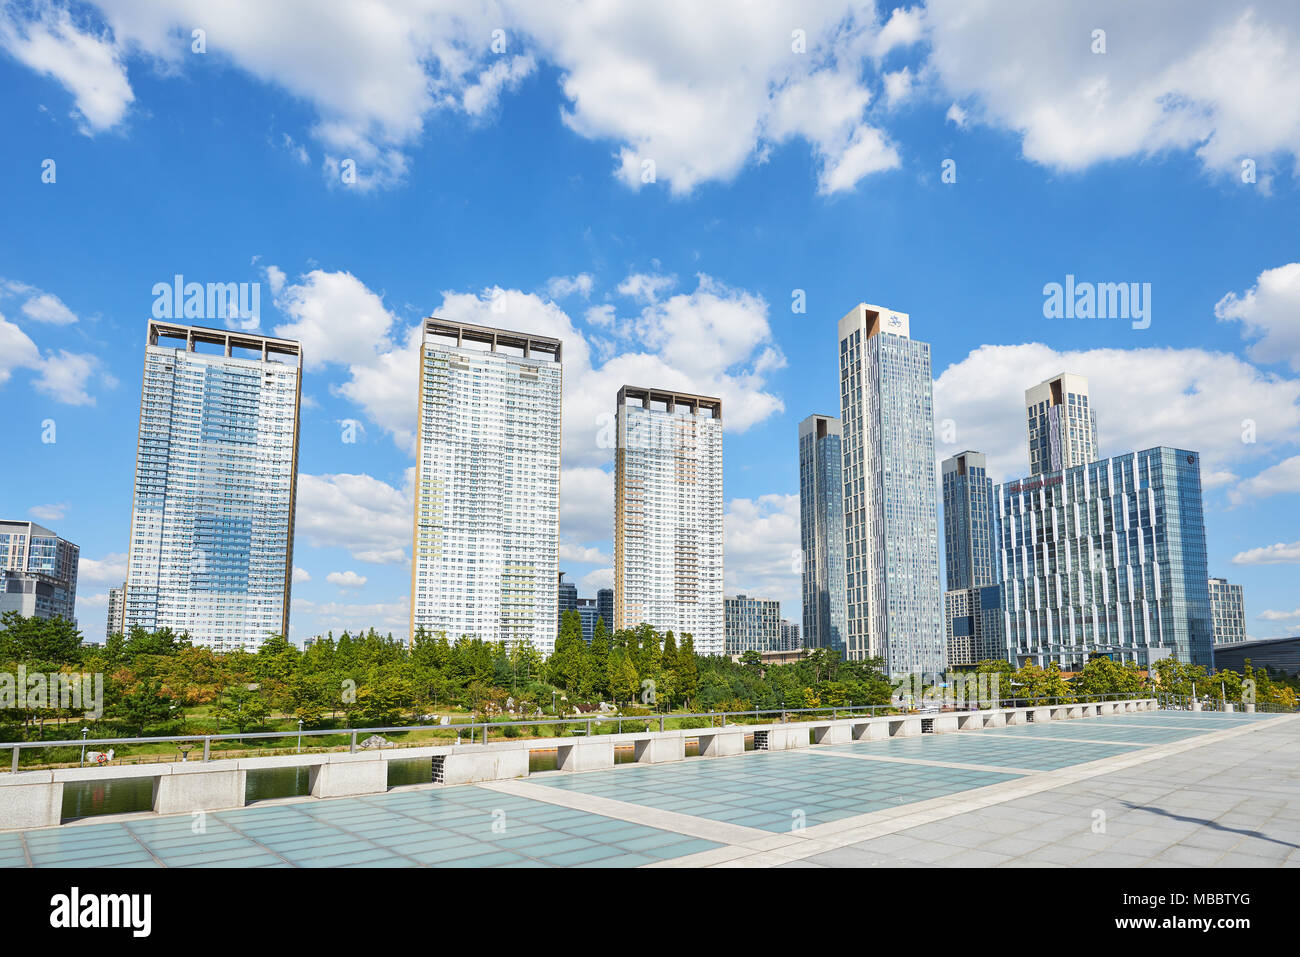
487 500
974 623
211 552
967 522
753 624
1107 558
894 603
668 515
1228 612
38 572
821 532
1062 424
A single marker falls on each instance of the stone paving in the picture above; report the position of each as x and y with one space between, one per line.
1167 788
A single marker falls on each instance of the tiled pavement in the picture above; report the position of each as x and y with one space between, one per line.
1149 789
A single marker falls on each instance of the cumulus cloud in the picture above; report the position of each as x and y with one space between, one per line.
1272 615
109 570
348 579
1269 313
47 307
363 515
1220 79
1191 398
762 549
1281 553
1275 480
301 576
336 616
82 58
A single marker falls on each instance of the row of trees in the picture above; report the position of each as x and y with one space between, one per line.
160 683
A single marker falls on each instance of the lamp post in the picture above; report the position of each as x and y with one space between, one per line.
300 734
84 732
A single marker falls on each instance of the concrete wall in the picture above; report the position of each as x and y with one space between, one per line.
34 798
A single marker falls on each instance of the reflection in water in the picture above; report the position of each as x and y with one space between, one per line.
115 796
128 795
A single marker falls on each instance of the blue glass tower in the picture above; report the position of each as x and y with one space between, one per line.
821 532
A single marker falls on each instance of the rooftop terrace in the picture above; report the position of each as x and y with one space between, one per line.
1158 788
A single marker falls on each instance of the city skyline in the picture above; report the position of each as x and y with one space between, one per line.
720 268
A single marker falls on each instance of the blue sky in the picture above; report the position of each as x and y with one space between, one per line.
502 182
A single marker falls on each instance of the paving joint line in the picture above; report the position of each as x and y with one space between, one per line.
846 831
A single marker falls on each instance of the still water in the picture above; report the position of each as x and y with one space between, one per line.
127 795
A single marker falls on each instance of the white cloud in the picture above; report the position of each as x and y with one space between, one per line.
47 307
561 287
586 554
899 86
593 581
48 513
335 316
904 28
347 579
65 376
1191 398
17 350
109 570
504 74
691 86
85 61
762 550
336 616
1274 480
1271 615
1282 553
957 116
1269 312
368 518
301 576
1220 79
646 287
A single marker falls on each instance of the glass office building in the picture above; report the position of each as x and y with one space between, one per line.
1107 558
973 619
668 515
485 559
216 476
894 603
753 624
821 532
38 572
1228 611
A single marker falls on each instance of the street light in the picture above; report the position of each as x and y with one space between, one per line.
84 732
300 734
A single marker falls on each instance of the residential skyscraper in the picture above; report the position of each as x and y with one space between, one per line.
216 479
968 539
821 532
894 603
38 572
789 636
116 623
1227 611
1062 424
752 624
668 515
1107 558
485 560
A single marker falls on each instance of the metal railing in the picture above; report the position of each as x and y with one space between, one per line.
483 729
1174 702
